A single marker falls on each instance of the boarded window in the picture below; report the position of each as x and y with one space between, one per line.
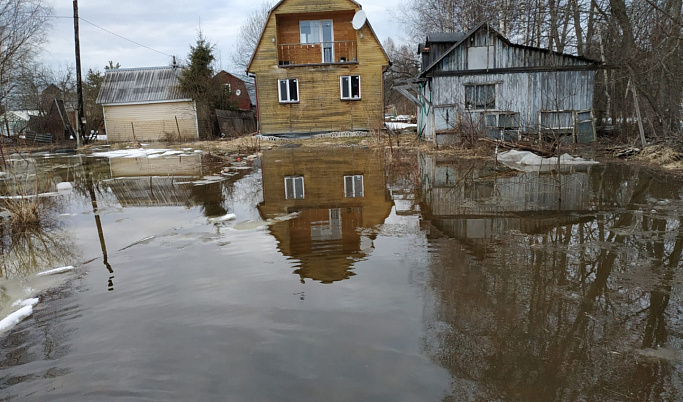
353 186
480 96
294 187
288 90
350 86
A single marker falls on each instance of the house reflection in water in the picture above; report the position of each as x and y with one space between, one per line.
337 193
478 205
165 181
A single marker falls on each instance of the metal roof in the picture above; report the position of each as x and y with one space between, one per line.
140 85
445 37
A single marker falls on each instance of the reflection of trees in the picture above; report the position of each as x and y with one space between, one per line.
25 252
561 315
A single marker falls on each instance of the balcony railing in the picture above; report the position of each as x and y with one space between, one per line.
300 54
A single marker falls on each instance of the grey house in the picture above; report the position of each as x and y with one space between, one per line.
481 80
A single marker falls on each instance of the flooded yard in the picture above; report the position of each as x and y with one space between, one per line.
343 274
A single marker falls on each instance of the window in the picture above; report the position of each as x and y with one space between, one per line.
353 186
480 96
350 86
328 230
294 187
288 90
319 31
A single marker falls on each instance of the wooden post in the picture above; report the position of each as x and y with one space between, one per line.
640 120
79 84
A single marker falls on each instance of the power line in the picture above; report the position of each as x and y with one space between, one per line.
117 35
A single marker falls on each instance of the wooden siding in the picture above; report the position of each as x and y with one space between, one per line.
179 165
524 93
151 122
288 25
320 108
323 172
501 55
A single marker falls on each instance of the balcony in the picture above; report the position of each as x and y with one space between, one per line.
323 53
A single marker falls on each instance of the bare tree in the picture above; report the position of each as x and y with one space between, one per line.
404 65
249 35
23 25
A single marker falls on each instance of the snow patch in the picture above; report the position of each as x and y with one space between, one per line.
56 271
16 317
27 302
224 218
141 153
525 160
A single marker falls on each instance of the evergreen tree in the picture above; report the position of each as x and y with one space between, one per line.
196 82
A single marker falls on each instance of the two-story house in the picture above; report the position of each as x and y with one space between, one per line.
339 197
317 72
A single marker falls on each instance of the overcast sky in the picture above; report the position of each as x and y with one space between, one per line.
169 27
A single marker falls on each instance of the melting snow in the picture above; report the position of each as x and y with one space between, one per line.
142 153
56 271
16 317
224 218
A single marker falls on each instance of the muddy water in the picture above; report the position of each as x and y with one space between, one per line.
346 275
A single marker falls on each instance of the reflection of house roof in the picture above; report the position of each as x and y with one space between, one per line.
325 238
325 250
150 191
140 85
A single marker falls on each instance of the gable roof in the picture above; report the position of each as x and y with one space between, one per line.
465 36
140 85
279 3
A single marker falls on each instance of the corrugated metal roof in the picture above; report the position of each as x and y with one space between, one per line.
446 36
140 85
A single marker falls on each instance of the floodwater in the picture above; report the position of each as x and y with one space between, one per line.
345 274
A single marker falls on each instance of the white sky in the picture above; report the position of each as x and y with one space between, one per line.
169 27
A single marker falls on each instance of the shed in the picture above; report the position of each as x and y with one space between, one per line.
146 104
480 80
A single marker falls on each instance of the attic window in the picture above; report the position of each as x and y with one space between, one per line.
480 96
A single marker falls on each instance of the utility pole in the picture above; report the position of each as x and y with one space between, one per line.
80 135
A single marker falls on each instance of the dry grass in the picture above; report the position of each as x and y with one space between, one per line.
21 196
661 155
25 212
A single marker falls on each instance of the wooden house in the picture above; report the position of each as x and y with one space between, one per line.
335 194
314 72
481 80
145 104
236 88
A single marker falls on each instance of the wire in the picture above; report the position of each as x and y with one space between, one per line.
117 35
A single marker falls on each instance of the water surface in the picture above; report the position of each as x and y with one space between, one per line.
348 274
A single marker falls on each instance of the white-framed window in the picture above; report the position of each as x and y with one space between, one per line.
319 31
288 90
328 230
349 86
480 96
353 186
294 188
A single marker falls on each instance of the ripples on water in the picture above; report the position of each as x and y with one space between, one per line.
347 276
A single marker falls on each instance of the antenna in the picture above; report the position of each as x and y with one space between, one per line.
359 20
